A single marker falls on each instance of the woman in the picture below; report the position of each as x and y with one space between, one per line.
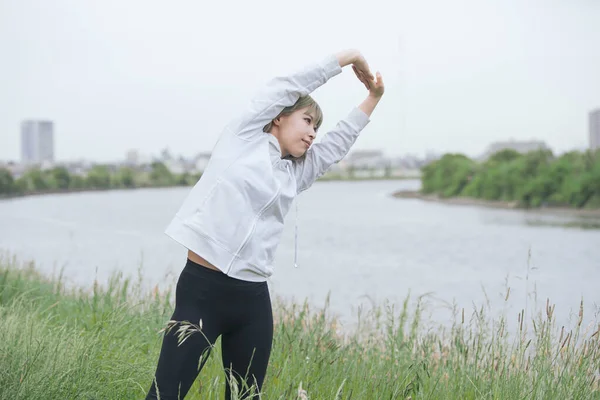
232 220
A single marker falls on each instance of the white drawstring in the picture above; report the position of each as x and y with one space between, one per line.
296 236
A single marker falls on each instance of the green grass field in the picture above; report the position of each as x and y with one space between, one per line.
103 343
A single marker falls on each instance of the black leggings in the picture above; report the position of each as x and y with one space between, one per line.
239 311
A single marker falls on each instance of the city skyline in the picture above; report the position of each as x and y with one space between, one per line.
468 75
33 145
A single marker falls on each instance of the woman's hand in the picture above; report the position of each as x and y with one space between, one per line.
375 87
357 60
359 64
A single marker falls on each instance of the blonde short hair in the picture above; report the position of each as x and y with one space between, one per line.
303 102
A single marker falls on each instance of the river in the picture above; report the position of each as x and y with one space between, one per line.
356 243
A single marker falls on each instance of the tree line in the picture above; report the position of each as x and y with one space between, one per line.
36 180
534 179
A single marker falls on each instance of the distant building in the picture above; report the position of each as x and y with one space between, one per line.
595 129
37 142
519 146
366 159
132 157
176 166
431 156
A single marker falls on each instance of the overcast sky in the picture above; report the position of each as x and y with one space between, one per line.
119 75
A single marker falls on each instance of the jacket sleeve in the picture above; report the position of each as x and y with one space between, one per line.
332 148
281 92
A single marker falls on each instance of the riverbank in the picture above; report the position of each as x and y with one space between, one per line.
72 191
469 201
104 342
86 190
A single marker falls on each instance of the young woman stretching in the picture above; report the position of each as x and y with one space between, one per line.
231 223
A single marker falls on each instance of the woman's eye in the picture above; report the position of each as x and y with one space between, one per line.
307 120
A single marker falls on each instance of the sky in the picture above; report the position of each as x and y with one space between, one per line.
149 75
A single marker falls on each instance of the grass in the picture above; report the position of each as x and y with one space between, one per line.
103 343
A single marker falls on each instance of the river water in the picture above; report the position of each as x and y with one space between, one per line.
356 244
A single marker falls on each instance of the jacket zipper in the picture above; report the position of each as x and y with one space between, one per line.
249 235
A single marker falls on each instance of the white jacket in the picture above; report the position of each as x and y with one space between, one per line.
234 215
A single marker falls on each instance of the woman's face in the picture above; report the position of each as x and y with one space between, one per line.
295 132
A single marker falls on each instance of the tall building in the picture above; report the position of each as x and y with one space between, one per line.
595 129
37 141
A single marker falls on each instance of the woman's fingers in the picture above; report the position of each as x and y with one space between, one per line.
367 71
362 65
358 74
360 77
378 88
379 79
372 83
367 74
366 81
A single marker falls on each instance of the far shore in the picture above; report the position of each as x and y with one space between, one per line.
81 190
508 205
84 190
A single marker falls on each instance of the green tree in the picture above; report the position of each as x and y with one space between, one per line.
77 182
7 183
533 179
60 177
35 180
98 177
503 156
448 175
160 175
125 177
183 179
590 187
